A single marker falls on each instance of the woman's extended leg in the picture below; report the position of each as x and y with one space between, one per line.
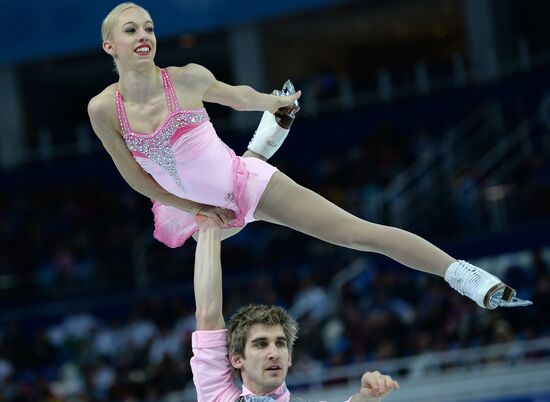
287 203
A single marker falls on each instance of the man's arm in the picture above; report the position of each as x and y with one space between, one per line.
210 365
208 277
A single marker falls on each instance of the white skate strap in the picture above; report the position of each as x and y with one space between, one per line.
269 136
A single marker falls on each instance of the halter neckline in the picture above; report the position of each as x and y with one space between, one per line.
171 102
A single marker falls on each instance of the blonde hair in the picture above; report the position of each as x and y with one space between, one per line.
247 316
112 17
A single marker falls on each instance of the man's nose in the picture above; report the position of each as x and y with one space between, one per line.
273 352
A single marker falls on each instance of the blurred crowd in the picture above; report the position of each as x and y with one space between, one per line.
382 312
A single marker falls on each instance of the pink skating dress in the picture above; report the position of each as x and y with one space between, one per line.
187 158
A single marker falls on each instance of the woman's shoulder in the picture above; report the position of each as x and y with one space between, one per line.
191 68
190 74
103 104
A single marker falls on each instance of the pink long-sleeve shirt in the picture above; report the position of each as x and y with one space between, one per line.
211 368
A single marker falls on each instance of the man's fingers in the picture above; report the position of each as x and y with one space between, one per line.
371 381
378 384
220 221
382 385
206 219
388 383
220 216
227 216
215 217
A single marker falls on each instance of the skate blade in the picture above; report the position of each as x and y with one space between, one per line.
503 295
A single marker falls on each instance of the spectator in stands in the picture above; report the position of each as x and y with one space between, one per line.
257 345
169 168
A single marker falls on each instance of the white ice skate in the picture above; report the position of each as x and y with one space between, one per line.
274 128
485 289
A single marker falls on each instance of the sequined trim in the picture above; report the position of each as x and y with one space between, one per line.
157 147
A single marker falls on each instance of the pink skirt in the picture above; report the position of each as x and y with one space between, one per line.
250 178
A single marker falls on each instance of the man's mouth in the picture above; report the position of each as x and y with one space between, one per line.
273 368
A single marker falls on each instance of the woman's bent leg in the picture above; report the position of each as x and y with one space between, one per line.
287 203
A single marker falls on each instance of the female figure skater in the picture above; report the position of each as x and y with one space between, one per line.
153 124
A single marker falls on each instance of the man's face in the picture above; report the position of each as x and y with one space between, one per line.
266 358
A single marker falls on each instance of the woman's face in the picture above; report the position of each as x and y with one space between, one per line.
133 38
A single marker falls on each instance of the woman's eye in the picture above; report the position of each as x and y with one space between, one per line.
149 29
130 30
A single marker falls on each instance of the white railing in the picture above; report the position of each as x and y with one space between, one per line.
435 363
492 372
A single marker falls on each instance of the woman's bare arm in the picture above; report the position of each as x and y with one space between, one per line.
240 97
102 123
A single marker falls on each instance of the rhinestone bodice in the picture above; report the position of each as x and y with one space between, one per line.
158 145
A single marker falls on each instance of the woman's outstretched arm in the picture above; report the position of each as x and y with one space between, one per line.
240 97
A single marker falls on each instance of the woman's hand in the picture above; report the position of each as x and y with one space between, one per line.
278 102
221 216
